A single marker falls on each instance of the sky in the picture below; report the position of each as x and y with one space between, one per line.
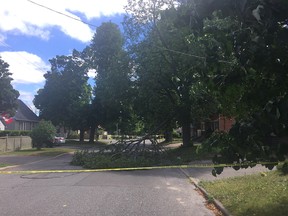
31 34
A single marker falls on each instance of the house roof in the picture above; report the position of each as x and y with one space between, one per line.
24 113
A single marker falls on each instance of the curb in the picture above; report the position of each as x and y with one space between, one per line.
217 203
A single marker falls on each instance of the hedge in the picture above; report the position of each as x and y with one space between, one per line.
14 133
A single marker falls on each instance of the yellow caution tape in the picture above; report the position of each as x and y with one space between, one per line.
135 168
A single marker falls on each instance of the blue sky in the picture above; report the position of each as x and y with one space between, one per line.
30 35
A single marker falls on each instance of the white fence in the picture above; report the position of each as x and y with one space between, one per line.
13 143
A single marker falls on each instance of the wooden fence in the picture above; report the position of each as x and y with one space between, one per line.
13 143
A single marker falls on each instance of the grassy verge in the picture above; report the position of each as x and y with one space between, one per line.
187 154
42 152
262 194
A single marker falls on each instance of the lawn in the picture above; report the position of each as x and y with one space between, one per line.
188 154
262 194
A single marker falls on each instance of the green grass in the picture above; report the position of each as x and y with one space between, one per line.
42 152
175 141
187 154
260 194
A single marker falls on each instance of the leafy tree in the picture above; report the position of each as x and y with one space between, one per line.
8 95
152 103
66 93
168 50
43 134
108 58
254 90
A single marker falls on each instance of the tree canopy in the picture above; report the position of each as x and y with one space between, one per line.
113 84
8 95
180 62
66 92
227 57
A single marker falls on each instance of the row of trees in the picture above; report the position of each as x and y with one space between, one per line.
179 62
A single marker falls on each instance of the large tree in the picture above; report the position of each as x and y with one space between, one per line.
8 95
255 89
111 62
66 94
165 42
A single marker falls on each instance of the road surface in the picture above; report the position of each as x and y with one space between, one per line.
147 192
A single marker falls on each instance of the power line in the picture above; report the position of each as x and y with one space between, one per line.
63 14
36 65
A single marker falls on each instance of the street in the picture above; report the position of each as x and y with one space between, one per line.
146 192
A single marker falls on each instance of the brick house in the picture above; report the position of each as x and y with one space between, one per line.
216 123
221 123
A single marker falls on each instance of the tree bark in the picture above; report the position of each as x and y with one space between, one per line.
168 135
186 133
92 134
81 138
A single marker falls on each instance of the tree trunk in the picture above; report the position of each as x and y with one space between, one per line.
186 133
96 132
168 135
81 138
92 134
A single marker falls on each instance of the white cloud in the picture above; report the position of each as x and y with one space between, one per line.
26 68
96 8
24 17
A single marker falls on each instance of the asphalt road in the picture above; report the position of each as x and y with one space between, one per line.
147 192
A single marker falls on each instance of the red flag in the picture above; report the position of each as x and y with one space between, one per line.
7 119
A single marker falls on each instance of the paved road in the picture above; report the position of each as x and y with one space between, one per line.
148 192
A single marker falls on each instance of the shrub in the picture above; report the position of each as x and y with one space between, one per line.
79 158
73 135
283 167
42 134
96 160
175 134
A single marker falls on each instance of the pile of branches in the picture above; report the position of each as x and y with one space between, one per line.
141 152
146 145
145 151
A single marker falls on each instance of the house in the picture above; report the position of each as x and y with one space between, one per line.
2 126
215 123
24 120
220 123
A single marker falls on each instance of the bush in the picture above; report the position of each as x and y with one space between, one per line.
175 134
43 134
73 135
79 158
96 160
283 167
